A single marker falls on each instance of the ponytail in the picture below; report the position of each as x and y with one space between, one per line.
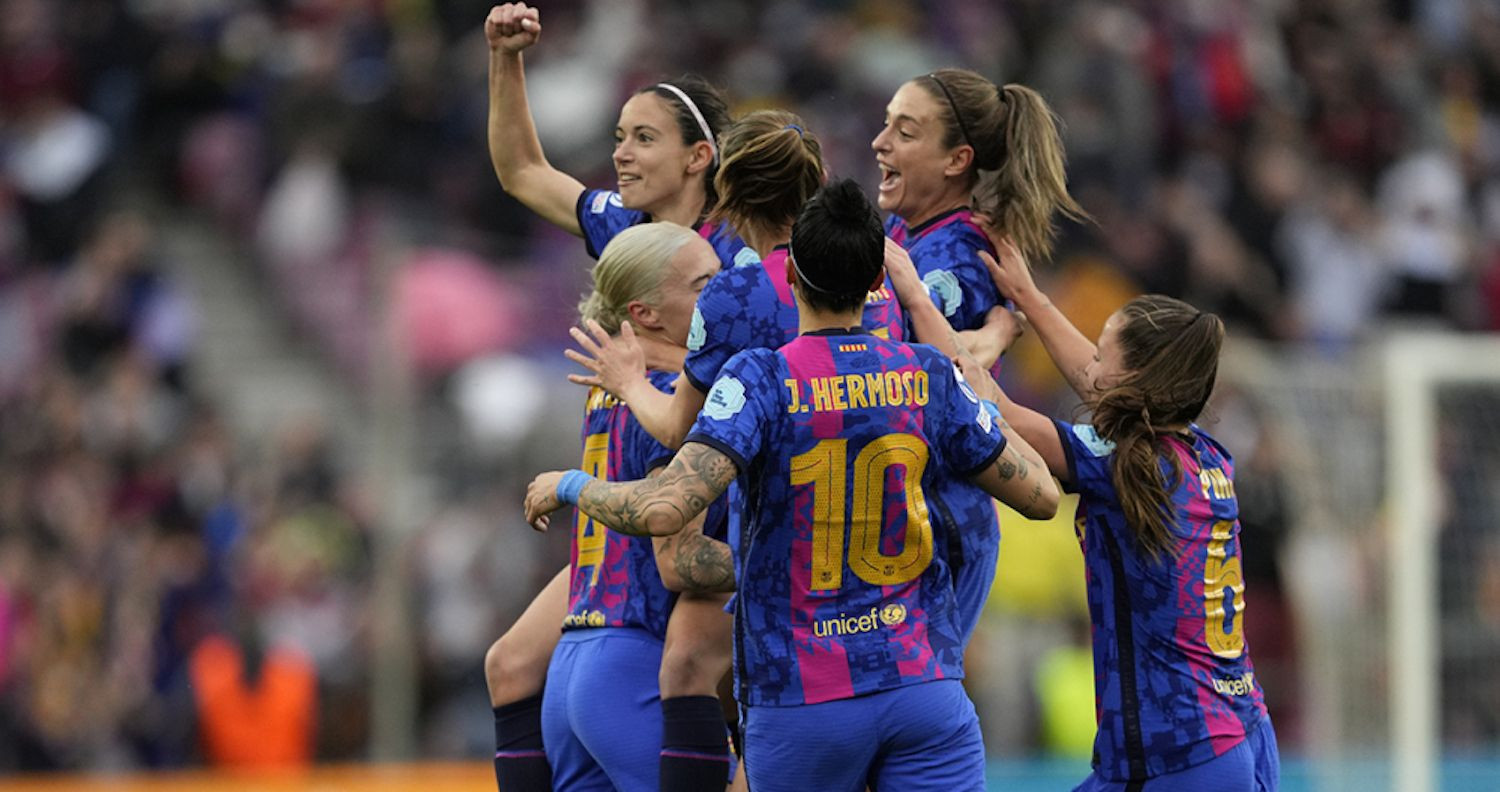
771 167
1019 175
1171 353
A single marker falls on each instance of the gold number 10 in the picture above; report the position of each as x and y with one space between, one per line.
825 467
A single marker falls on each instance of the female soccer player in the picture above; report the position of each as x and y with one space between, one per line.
601 720
666 149
849 658
1179 705
955 144
666 156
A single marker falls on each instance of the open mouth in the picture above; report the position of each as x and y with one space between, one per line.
890 178
627 179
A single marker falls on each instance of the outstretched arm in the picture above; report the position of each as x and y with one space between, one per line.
619 366
1037 430
657 506
927 322
1070 350
515 151
988 342
1019 478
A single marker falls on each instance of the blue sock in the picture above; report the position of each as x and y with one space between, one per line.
520 763
694 745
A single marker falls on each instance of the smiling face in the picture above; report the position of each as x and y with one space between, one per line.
692 267
1108 367
651 160
920 176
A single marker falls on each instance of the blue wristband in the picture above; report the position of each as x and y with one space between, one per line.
571 485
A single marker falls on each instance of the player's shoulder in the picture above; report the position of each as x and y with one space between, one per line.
1085 439
731 286
1209 443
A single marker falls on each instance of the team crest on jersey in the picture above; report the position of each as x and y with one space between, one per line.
697 333
725 400
944 285
893 614
746 257
1091 440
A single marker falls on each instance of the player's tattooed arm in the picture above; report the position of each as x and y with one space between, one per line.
661 505
690 561
1018 478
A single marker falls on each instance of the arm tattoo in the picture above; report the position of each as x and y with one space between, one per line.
1006 468
704 564
666 502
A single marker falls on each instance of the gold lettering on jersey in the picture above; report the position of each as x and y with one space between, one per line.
879 295
600 399
585 619
794 396
1241 686
1216 484
891 615
859 391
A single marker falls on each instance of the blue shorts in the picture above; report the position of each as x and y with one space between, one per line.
601 711
1252 766
919 737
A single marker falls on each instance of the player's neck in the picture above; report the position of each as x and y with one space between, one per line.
956 198
660 353
763 240
811 319
686 209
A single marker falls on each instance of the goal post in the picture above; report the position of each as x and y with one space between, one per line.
1417 366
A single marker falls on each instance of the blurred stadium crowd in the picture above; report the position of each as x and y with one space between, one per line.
1312 170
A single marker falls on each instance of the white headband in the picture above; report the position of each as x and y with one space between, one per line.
697 116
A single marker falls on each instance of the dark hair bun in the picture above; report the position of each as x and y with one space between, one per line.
846 202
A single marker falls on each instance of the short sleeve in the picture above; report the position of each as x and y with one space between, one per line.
720 327
738 410
967 435
602 215
1088 459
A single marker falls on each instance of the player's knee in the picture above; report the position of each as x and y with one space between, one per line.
685 673
511 672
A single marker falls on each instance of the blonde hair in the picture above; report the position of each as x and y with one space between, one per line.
632 267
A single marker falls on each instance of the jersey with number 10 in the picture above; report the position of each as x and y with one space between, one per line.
843 586
613 580
1173 681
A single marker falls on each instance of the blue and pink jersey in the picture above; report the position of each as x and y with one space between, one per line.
945 251
613 581
1173 681
844 587
602 215
751 306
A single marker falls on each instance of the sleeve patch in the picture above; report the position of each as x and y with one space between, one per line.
697 333
963 387
945 287
1091 440
603 199
745 257
725 400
